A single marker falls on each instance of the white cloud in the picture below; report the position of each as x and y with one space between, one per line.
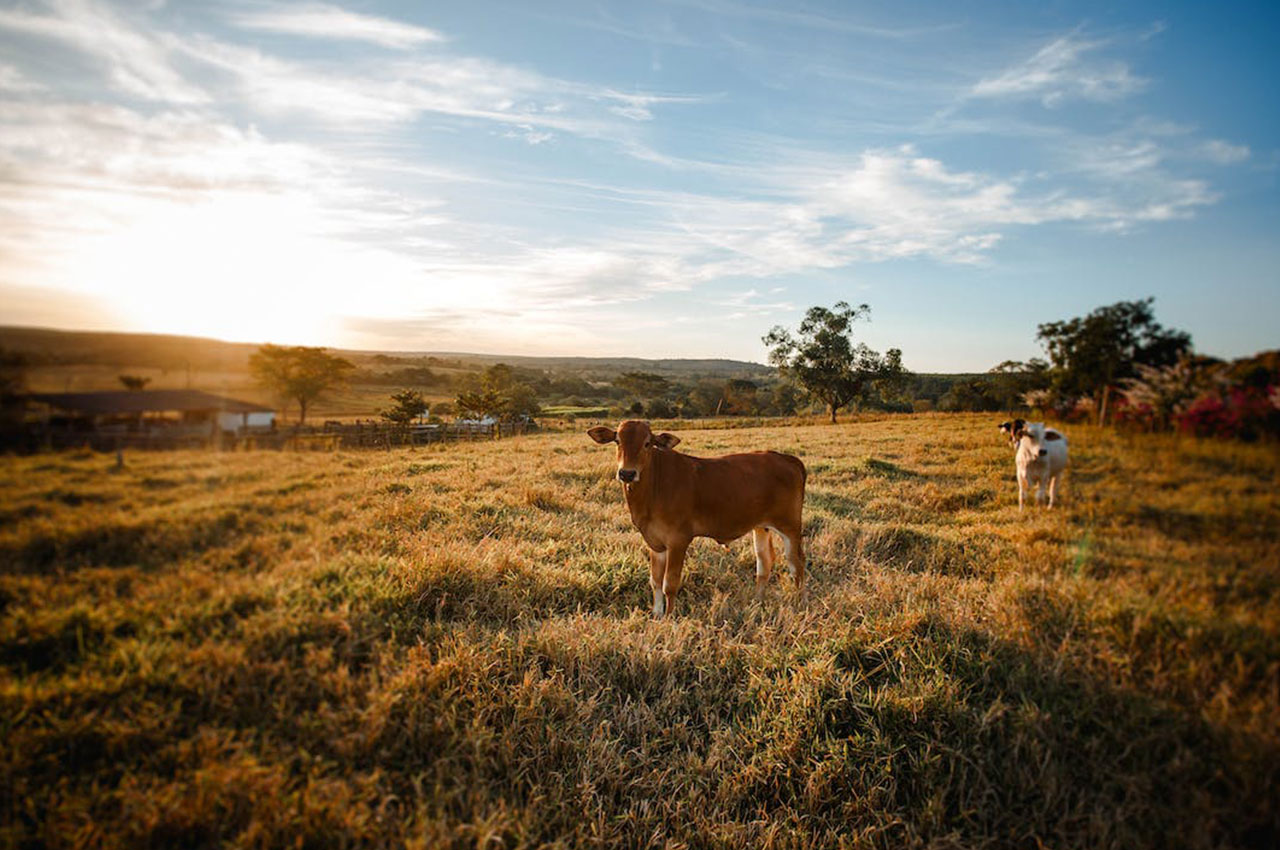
136 64
1064 69
636 106
1223 152
13 80
317 20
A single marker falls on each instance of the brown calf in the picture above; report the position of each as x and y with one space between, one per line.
675 497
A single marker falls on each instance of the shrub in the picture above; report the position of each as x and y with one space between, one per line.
1243 413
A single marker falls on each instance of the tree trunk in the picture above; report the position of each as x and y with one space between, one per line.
1102 405
302 411
833 414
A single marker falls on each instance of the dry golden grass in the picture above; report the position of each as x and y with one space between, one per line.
451 647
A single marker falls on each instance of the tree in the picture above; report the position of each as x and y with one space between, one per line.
1092 354
824 360
1013 379
642 384
740 396
298 372
973 395
134 382
409 406
499 394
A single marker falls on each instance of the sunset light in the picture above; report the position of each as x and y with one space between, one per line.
736 424
394 177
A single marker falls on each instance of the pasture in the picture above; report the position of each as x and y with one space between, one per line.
453 647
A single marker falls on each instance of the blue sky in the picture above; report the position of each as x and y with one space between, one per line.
650 179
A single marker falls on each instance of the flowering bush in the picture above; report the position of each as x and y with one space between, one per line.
1238 412
1159 394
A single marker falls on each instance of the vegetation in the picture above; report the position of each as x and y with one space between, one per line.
500 394
1231 399
1093 354
451 648
134 382
1206 397
825 362
409 405
298 372
13 385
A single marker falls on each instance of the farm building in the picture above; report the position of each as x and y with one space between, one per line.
151 413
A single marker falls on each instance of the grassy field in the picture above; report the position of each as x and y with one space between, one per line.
452 647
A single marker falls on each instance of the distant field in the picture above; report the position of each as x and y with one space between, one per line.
452 647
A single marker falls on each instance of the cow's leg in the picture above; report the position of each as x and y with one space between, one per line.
671 577
657 570
764 556
1022 490
793 548
1053 489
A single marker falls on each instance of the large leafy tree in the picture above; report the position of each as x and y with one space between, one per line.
823 358
298 372
1092 354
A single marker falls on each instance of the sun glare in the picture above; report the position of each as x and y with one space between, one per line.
236 267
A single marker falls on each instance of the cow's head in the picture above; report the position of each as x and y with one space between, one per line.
636 444
1032 439
1013 430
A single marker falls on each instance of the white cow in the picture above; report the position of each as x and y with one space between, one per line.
1041 457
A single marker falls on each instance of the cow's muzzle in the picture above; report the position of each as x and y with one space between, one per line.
628 476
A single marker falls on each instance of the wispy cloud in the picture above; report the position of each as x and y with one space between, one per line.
636 106
14 81
1067 68
1223 152
317 20
136 63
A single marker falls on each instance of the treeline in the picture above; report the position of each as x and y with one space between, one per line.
1119 365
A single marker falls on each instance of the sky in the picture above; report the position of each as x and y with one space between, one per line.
654 179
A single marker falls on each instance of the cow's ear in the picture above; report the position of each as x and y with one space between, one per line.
602 435
1007 427
665 440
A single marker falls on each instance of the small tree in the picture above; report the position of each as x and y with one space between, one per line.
825 361
741 396
1092 354
497 393
298 372
409 405
134 382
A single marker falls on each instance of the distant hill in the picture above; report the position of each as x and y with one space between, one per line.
49 347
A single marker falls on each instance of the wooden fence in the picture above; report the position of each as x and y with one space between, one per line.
329 437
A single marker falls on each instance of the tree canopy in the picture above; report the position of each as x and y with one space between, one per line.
643 384
826 362
1092 354
498 393
298 372
409 405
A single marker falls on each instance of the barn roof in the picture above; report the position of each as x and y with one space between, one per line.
147 401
